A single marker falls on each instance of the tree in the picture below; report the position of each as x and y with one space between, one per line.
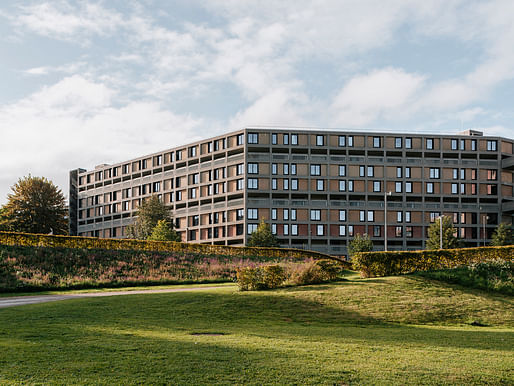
502 235
36 206
449 239
262 237
148 215
163 232
360 243
3 220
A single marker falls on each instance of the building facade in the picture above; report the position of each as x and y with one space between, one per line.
316 188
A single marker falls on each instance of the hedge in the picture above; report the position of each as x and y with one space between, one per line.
371 264
38 240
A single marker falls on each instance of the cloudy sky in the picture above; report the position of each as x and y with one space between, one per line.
90 82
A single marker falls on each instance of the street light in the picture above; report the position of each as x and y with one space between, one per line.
385 218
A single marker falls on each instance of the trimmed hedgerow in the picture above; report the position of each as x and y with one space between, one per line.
371 264
37 240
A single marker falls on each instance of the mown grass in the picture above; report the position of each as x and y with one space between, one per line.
402 330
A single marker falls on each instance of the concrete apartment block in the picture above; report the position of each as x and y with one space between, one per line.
317 188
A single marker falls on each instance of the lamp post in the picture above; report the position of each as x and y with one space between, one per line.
385 218
484 220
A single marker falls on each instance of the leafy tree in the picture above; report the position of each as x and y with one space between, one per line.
163 232
262 237
148 215
449 239
502 235
36 205
3 220
360 243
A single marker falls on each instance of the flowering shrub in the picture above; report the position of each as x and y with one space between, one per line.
259 278
372 264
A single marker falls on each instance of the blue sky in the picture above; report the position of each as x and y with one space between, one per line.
91 82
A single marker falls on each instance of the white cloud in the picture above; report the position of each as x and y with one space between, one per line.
75 123
381 93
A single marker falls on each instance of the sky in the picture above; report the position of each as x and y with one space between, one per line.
84 83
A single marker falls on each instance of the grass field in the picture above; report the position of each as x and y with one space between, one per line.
402 330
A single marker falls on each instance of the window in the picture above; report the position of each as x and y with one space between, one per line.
342 185
294 229
408 187
342 140
274 169
454 189
274 229
376 186
462 144
239 215
473 189
285 184
408 231
253 138
350 230
407 216
462 174
462 188
285 214
376 142
350 140
342 230
253 183
398 231
492 174
371 215
240 139
430 187
399 216
362 215
371 171
252 228
463 218
315 214
398 187
195 220
320 185
274 214
473 144
492 190
320 230
399 172
253 168
274 184
350 186
398 142
294 139
240 184
408 143
407 172
209 147
293 214
294 184
455 174
361 171
342 170
156 187
474 174
193 192
240 169
273 139
342 214
454 144
286 229
491 145
293 169
315 170
434 216
430 144
286 168
320 140
434 173
178 155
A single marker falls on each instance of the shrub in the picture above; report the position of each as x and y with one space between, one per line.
315 272
372 264
259 278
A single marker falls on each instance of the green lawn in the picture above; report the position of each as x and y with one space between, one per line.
402 330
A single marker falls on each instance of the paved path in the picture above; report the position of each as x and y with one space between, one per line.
23 300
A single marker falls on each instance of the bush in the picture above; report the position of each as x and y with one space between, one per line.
315 272
372 264
259 278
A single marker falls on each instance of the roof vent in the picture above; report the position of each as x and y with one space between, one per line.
473 133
